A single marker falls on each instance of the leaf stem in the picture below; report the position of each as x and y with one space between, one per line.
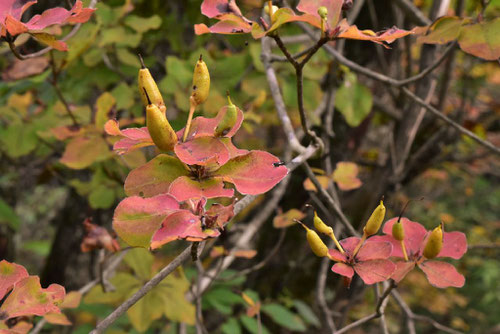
192 107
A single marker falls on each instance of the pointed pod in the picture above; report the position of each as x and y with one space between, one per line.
228 120
201 82
317 245
321 226
434 243
375 221
398 232
149 90
159 128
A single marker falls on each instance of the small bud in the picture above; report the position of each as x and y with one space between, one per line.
398 232
375 220
148 89
274 9
201 82
323 12
434 243
317 245
228 120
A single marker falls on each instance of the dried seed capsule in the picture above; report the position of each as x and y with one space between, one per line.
317 245
434 243
228 120
397 231
323 12
201 82
148 89
159 128
375 220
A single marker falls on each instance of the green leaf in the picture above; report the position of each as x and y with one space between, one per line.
19 139
8 216
127 57
101 197
284 317
252 326
222 299
353 100
39 247
306 313
82 152
143 24
443 30
140 260
231 326
481 39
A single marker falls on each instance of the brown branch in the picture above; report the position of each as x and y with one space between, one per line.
54 82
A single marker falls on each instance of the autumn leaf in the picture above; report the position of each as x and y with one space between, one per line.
346 176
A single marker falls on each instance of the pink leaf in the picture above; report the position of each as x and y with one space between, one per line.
233 150
414 236
60 15
349 244
181 225
184 188
83 151
374 271
134 137
311 7
16 8
343 269
454 245
280 17
223 27
335 255
442 274
402 268
155 177
136 219
253 173
373 250
14 26
216 8
202 151
387 36
28 298
219 215
10 273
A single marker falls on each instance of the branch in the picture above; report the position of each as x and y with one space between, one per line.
413 12
448 120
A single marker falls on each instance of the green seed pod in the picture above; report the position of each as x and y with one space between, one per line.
323 12
201 82
274 9
228 120
397 231
148 89
375 220
159 128
434 243
321 226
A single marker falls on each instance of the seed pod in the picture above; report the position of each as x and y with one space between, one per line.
148 89
375 220
228 120
274 9
434 243
323 12
201 82
397 231
317 245
159 128
321 226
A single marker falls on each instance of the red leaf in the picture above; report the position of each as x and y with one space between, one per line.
402 268
343 269
387 36
454 245
280 17
349 244
155 177
372 250
414 236
219 214
374 271
216 8
335 255
60 15
442 274
253 173
136 219
202 151
181 225
134 137
223 27
14 8
28 298
311 7
184 188
10 273
14 26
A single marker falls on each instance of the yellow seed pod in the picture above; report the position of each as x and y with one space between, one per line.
148 89
397 231
317 245
321 226
434 243
375 220
159 128
323 12
201 82
274 9
228 120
